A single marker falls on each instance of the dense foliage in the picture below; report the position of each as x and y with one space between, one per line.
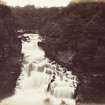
78 29
10 48
74 31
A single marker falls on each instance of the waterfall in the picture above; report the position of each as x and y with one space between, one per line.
41 82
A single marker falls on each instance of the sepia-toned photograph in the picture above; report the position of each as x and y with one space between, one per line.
52 52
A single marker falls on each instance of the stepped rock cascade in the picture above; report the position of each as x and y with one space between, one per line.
42 82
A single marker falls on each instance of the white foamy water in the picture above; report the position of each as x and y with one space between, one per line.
41 82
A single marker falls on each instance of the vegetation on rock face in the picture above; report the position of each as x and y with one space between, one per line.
10 52
73 36
77 33
89 38
82 30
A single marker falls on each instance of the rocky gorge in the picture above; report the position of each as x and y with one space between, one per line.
80 46
72 36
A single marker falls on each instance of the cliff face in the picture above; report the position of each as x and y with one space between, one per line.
73 36
10 52
79 34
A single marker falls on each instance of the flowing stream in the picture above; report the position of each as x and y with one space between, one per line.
41 82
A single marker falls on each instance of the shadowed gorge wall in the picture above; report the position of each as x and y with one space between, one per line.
80 30
10 52
74 37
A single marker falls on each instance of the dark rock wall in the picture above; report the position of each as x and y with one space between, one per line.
10 52
88 62
74 36
82 32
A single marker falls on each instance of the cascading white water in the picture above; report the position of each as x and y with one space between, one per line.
41 82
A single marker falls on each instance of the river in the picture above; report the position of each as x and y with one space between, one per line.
42 82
